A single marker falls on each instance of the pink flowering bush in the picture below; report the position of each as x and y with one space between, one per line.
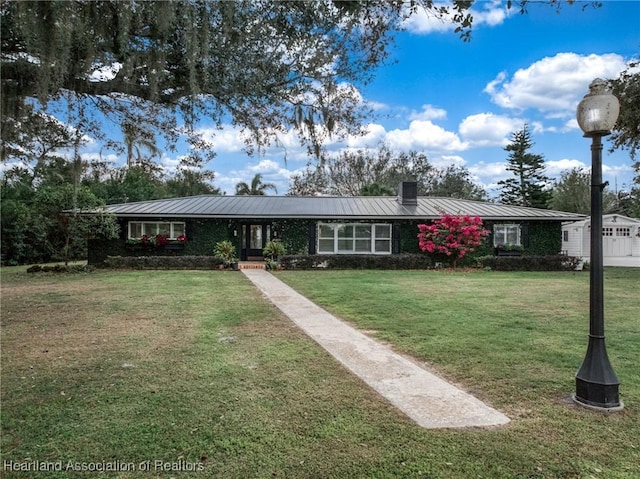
452 236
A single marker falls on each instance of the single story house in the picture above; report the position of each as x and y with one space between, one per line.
317 225
620 240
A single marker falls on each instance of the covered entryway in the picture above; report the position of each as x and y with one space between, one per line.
254 238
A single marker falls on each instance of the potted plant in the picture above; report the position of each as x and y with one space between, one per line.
272 252
226 251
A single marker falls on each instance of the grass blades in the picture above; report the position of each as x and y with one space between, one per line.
193 369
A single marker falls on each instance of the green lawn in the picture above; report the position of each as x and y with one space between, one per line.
195 371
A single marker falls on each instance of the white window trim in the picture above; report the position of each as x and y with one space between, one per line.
172 224
507 225
372 238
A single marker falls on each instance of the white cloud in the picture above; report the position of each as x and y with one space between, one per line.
444 161
571 124
553 85
227 138
375 133
376 105
266 167
555 167
492 14
424 22
170 164
429 112
488 129
488 173
424 135
539 127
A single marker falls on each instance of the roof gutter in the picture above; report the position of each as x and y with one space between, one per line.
337 217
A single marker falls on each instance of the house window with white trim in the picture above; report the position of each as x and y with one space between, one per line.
506 234
354 238
172 230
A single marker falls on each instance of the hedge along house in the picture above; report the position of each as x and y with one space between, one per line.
620 240
377 225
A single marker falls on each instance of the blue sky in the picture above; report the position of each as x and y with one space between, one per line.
459 102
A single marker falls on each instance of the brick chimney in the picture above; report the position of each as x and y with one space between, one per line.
408 193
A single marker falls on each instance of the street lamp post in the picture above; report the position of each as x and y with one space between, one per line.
596 382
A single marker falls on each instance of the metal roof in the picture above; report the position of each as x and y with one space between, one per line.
329 207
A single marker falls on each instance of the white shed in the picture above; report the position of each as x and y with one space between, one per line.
620 240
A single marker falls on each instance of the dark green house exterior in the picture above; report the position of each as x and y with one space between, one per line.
316 225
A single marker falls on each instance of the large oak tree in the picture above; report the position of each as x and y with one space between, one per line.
265 66
626 133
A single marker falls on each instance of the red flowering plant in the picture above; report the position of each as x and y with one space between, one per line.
161 240
452 237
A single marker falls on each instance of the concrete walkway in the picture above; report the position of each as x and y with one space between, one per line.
427 399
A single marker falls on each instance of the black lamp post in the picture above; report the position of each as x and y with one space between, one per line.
596 381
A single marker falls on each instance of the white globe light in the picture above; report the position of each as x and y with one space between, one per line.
598 111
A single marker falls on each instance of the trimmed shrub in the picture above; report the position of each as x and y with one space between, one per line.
556 262
356 261
60 268
163 262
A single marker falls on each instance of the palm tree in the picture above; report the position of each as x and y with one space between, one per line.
135 139
257 186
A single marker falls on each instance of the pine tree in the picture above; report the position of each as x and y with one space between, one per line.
528 186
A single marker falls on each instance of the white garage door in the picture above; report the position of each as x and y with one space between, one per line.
616 241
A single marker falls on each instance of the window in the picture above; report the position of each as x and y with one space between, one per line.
607 231
382 239
354 238
506 234
326 238
623 231
565 235
137 229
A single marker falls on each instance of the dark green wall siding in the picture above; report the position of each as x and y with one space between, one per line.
408 236
544 238
294 235
298 237
202 235
538 237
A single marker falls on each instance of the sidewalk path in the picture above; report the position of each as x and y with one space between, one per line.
424 397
